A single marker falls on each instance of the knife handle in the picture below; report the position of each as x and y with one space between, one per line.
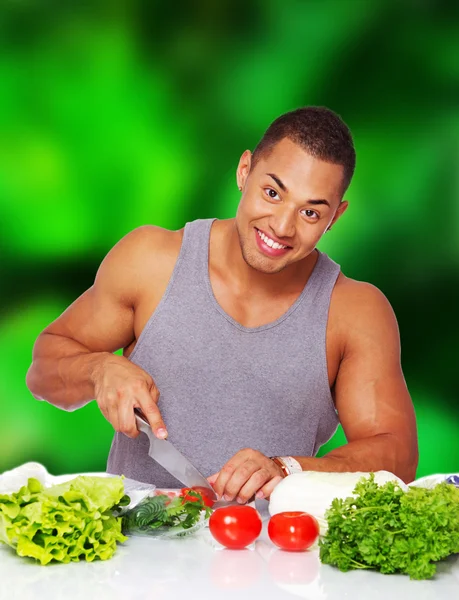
139 413
142 423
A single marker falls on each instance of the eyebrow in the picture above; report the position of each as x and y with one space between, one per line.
278 181
284 188
319 201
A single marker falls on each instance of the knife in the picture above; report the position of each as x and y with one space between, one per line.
167 455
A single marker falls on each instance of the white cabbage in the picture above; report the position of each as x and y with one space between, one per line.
313 491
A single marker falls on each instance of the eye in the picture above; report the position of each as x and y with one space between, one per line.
272 193
311 214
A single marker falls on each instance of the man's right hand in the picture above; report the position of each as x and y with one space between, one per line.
120 386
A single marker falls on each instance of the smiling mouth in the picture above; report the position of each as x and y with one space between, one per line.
269 242
269 246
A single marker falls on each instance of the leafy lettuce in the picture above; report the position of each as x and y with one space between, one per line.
67 522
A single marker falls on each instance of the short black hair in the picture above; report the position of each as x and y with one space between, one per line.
319 131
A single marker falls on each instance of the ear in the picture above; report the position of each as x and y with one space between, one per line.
339 211
243 169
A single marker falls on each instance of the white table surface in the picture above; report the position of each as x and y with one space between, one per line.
197 567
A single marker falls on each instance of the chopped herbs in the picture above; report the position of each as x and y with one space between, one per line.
160 511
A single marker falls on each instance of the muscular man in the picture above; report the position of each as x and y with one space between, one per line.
257 343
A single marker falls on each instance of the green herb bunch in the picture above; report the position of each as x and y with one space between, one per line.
385 528
160 511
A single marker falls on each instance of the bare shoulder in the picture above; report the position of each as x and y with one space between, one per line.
146 254
149 238
360 311
359 295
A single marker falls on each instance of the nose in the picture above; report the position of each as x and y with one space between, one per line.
283 223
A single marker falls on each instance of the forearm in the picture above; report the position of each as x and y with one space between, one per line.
62 371
380 452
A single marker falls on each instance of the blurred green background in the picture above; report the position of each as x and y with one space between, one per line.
115 113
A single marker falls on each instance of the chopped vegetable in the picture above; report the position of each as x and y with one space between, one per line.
203 494
162 511
390 530
68 522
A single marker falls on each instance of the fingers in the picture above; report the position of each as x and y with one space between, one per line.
147 401
226 473
250 486
117 405
253 487
268 488
107 402
222 479
126 418
118 410
249 472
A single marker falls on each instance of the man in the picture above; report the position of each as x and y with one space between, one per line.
255 340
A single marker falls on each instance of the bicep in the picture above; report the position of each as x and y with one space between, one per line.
96 320
370 392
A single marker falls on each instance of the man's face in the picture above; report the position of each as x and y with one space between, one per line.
289 199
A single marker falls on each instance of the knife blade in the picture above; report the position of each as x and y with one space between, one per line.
167 455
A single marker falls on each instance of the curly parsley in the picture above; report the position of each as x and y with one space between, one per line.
385 528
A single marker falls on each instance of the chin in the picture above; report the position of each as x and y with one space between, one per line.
259 263
255 259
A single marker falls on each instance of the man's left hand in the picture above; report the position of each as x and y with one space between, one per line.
249 472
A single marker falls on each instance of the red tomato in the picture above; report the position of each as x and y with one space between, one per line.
293 530
202 491
235 526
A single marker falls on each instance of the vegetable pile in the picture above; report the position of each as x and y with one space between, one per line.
161 511
68 522
385 528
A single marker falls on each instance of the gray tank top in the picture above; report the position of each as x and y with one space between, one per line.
224 386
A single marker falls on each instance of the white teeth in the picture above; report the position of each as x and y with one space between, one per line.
268 241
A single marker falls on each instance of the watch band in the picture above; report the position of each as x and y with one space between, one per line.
281 465
288 464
